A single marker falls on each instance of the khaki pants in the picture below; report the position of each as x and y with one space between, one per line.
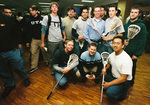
86 70
35 50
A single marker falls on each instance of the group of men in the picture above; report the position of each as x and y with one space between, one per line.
87 38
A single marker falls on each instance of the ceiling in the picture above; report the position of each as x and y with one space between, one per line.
23 5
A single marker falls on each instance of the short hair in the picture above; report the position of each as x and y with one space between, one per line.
113 6
34 7
69 40
70 8
93 44
52 3
137 7
103 7
5 7
119 37
84 9
96 7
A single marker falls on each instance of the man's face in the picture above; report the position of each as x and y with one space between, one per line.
102 12
117 45
71 13
85 13
54 8
134 14
7 12
69 46
97 12
92 50
33 12
112 12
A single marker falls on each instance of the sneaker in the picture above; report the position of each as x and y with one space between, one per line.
52 72
26 82
32 70
7 91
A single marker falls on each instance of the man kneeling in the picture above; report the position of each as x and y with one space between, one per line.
117 83
60 60
90 64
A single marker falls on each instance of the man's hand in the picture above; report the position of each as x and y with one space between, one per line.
28 44
42 45
106 85
126 42
80 37
64 39
19 46
134 57
103 71
90 76
65 70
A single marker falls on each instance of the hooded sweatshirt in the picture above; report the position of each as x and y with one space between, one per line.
137 44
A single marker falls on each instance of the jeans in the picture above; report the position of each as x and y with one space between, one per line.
71 74
108 49
9 61
118 91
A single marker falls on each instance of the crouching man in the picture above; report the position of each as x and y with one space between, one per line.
117 83
90 64
60 60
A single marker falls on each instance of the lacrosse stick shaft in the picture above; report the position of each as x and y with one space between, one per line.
102 88
55 87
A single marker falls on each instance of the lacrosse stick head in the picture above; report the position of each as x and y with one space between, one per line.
116 24
90 10
133 30
72 58
81 43
105 56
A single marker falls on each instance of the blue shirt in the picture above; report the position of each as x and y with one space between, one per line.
86 57
92 34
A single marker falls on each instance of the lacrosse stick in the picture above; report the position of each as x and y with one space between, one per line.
105 56
81 43
116 24
72 59
90 22
133 30
44 50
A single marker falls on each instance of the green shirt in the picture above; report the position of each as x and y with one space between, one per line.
137 44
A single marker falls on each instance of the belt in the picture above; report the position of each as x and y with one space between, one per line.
96 40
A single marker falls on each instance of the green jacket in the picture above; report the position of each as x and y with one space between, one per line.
137 44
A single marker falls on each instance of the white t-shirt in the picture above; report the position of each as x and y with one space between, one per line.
79 26
54 29
118 30
121 64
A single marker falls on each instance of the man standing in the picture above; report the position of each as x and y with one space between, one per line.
60 60
103 14
77 32
118 31
68 21
90 64
135 46
33 35
117 83
90 34
10 41
55 30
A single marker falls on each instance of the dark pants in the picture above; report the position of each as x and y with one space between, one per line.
133 71
118 91
9 61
